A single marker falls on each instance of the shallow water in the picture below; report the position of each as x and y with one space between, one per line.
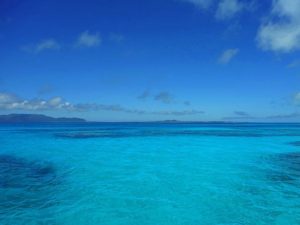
135 173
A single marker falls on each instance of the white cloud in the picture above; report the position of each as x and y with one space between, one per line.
87 39
6 98
203 4
56 101
228 55
281 31
12 102
47 44
228 9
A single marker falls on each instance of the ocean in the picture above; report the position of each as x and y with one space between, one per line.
150 174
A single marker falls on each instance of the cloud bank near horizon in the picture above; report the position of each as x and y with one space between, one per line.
13 102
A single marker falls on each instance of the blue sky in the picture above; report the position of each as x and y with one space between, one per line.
144 60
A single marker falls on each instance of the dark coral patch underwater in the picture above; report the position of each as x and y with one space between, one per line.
26 185
295 143
19 173
156 133
285 168
88 135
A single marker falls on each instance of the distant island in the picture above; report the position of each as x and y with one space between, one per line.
37 118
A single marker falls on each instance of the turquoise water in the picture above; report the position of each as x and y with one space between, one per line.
158 174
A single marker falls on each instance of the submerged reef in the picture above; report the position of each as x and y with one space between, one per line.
154 133
88 135
26 186
285 168
19 173
291 161
121 133
294 143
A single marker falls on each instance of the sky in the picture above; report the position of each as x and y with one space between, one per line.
149 60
